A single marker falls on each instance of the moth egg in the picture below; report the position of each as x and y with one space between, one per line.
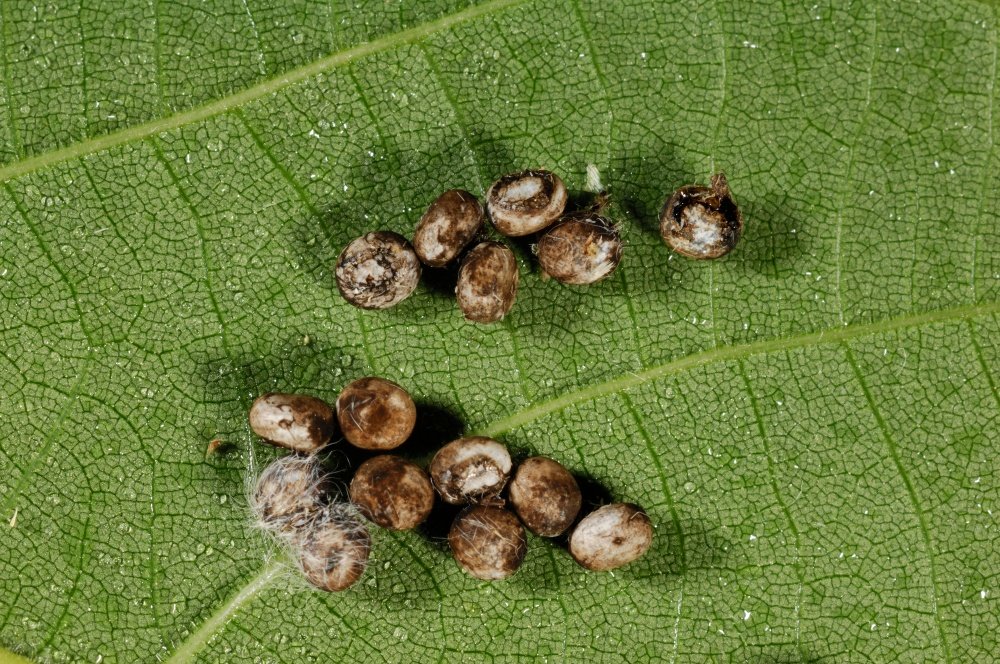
488 542
487 283
470 470
702 222
392 492
375 414
581 249
377 270
288 495
526 202
545 496
296 422
448 225
611 536
333 552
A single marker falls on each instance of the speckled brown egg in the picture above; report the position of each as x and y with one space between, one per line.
487 283
470 470
377 270
333 553
392 492
296 422
581 249
447 227
488 542
526 202
375 414
288 495
545 496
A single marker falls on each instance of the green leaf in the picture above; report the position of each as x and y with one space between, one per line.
812 423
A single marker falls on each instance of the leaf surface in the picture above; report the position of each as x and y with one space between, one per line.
812 423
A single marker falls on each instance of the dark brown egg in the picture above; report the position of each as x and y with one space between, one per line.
545 496
392 492
375 414
488 542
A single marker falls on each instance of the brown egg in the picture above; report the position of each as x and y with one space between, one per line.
488 542
545 496
392 492
470 470
702 222
487 283
448 225
288 494
333 553
525 202
375 414
581 249
377 270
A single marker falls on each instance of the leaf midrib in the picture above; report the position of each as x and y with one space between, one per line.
194 643
252 93
727 353
204 633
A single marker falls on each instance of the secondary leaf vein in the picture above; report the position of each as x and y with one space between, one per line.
247 95
727 353
911 492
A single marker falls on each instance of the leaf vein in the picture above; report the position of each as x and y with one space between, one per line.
911 492
15 136
598 72
661 473
858 132
606 91
772 480
256 35
987 167
47 251
727 353
73 589
983 365
193 644
54 432
158 56
252 93
207 281
463 126
300 192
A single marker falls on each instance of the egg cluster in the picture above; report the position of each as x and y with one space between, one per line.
381 269
294 498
